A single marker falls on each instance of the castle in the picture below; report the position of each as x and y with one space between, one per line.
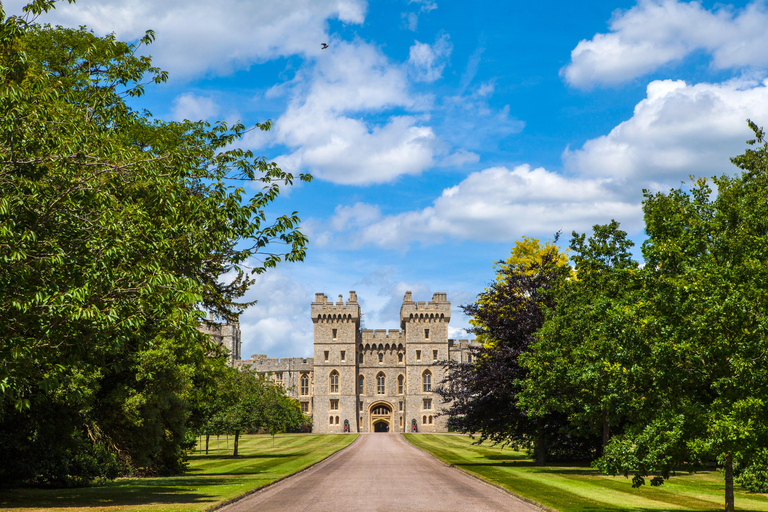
364 380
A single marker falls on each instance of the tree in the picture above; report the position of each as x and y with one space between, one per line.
581 362
483 395
115 228
250 402
704 317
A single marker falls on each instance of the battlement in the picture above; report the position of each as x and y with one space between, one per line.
437 309
325 310
382 336
262 363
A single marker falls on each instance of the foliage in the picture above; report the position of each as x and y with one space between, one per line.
580 364
483 395
704 318
248 402
115 228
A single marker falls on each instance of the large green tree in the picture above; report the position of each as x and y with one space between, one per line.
115 228
580 363
704 317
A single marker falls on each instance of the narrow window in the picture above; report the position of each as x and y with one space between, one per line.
400 357
401 421
434 355
325 355
400 406
423 420
330 420
430 420
361 406
304 384
426 382
344 355
381 382
469 358
400 382
428 404
334 382
305 407
361 385
426 334
337 419
381 357
279 377
418 355
334 334
334 405
360 358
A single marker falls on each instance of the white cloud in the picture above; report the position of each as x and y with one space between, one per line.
658 32
197 37
427 62
280 323
677 130
325 127
411 19
193 107
498 205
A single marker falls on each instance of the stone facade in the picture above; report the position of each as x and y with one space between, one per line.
226 334
370 380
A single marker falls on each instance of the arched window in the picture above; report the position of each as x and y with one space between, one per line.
361 385
426 382
423 420
381 357
381 383
304 384
430 420
400 357
360 358
337 419
334 382
400 383
330 420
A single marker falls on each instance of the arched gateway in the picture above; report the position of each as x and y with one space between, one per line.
380 417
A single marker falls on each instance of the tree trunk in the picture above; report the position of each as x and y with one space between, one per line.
730 505
207 438
237 441
606 429
540 448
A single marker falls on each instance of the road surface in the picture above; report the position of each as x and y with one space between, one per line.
380 472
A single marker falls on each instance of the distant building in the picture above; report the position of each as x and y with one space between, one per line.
366 380
226 334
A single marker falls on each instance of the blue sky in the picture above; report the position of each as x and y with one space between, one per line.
439 132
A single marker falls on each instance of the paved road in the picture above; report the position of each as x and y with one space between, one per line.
380 472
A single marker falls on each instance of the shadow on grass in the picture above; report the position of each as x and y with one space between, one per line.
116 494
244 457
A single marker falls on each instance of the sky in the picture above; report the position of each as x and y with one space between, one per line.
440 132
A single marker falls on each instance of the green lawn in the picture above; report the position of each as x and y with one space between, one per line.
580 489
212 478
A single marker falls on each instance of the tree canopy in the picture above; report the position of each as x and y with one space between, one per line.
115 229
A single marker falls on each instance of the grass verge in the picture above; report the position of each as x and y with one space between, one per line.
211 479
571 488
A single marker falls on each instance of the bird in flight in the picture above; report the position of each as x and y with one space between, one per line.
324 46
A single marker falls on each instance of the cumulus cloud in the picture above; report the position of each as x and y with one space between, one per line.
279 324
498 205
193 107
428 61
196 37
677 130
658 32
325 127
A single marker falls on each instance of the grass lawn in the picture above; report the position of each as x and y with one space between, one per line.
574 488
211 479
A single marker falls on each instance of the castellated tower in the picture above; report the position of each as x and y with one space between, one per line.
337 332
425 328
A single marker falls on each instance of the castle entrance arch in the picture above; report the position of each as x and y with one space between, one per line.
380 415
